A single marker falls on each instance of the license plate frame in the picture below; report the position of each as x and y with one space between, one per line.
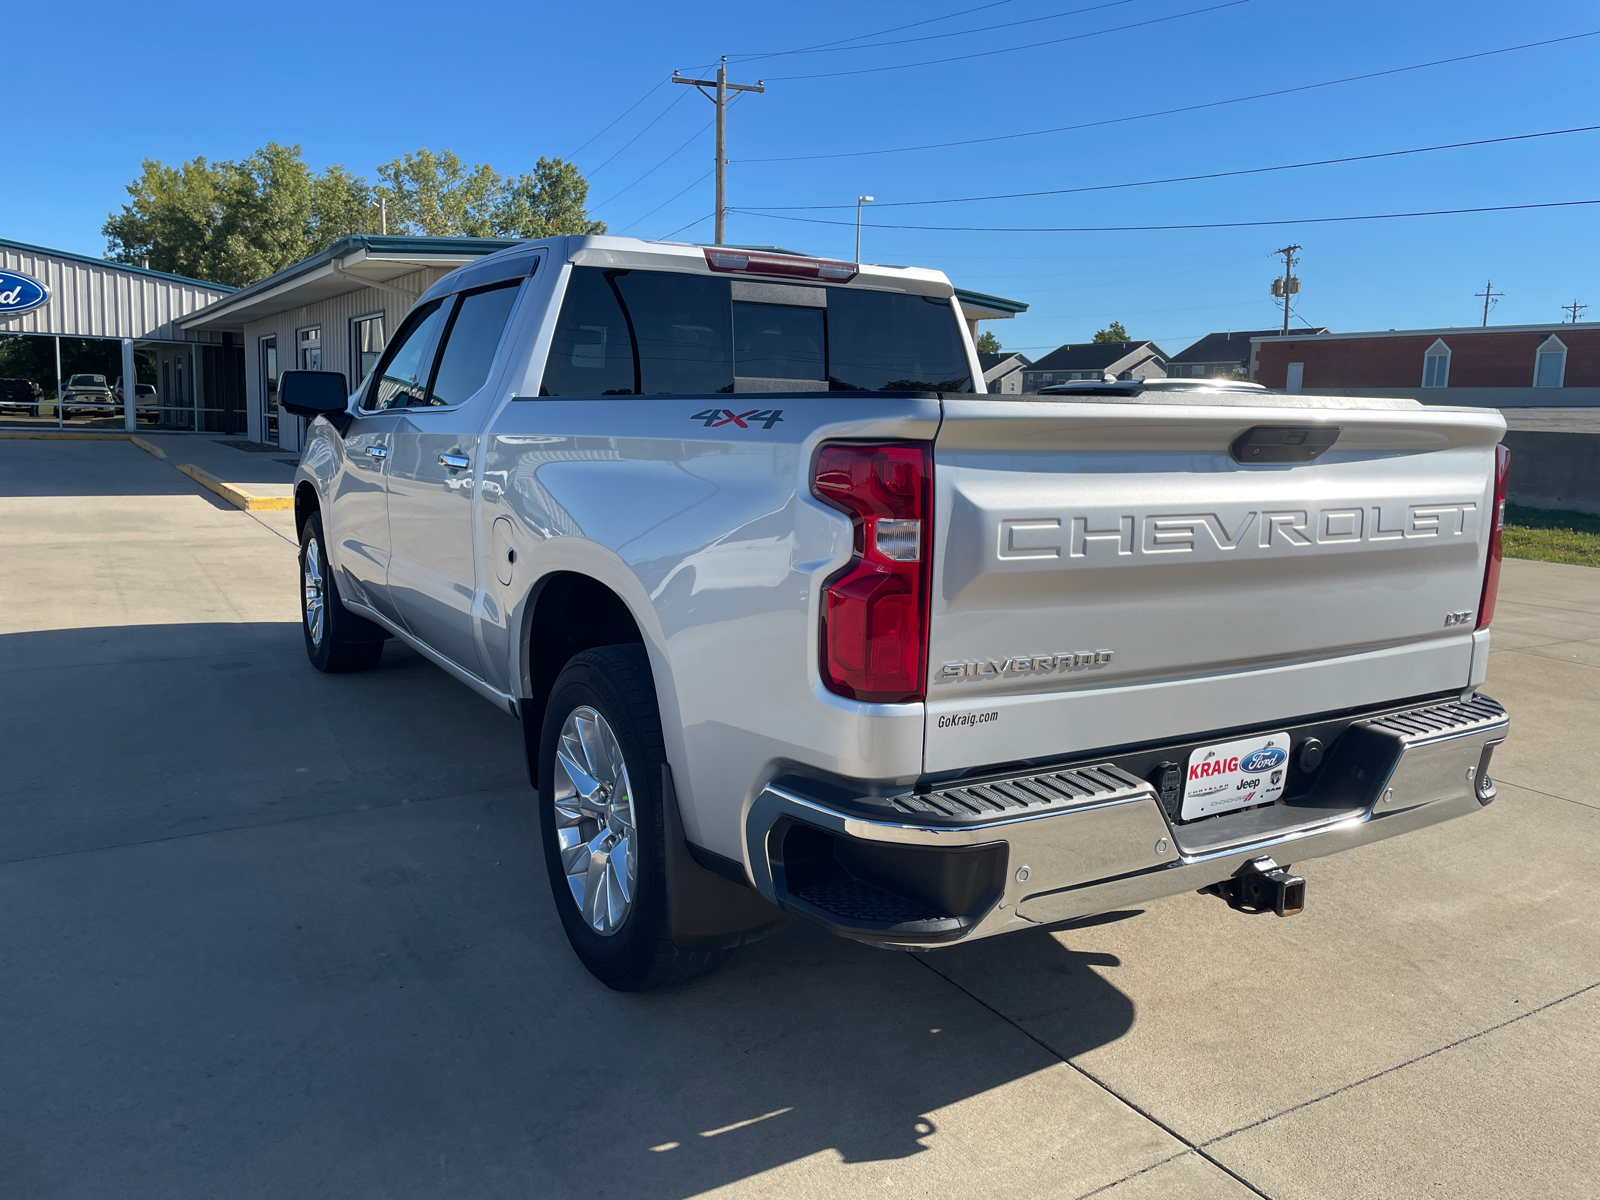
1224 777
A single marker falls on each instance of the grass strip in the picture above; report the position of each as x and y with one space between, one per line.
1549 535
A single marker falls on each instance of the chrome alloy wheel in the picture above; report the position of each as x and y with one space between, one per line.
594 820
315 584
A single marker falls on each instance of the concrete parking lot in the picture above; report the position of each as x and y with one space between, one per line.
265 932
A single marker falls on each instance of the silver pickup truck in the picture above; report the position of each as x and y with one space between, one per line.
795 619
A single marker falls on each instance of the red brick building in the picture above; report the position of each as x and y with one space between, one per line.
1508 365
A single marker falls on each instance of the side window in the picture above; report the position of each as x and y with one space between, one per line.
402 372
592 351
682 328
885 341
649 333
470 342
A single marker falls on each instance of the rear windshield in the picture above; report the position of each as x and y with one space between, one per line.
657 333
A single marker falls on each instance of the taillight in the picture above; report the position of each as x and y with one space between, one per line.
1491 572
875 610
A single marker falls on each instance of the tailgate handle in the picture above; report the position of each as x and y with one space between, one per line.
1283 443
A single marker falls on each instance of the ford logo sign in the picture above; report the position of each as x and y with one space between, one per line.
20 293
1263 760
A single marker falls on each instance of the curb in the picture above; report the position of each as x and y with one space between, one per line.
147 447
233 495
62 436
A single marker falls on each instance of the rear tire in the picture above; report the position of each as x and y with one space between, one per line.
337 641
604 702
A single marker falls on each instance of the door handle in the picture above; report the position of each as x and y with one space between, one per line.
455 462
378 451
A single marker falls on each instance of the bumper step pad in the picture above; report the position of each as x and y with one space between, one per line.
1044 792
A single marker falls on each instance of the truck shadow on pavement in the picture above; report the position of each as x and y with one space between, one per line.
275 932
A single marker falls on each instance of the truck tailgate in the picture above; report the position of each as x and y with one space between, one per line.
1106 574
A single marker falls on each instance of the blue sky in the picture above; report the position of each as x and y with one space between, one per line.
506 83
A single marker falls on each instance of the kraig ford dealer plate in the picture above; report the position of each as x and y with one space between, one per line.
1235 774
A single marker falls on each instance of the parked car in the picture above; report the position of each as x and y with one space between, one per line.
146 404
84 390
22 394
797 621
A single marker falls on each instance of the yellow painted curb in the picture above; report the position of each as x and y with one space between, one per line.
233 495
63 435
147 447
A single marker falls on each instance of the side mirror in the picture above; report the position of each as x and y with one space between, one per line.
313 393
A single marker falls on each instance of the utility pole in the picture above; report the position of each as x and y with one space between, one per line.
1287 286
1577 310
1490 296
720 99
860 200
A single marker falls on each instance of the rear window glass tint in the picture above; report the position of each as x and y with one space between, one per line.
780 341
623 333
592 351
470 343
681 326
887 342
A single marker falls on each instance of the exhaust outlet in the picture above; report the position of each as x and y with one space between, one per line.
1263 886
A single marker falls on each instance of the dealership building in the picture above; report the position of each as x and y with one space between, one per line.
66 317
207 357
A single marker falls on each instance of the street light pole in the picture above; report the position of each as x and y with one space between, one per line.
860 200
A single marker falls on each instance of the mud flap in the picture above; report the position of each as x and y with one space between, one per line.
707 911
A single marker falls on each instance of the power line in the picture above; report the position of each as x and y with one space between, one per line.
1167 112
1436 212
667 201
1110 187
636 136
1076 37
624 113
820 46
659 165
681 228
834 48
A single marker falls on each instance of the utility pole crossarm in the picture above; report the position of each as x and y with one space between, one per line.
711 83
721 101
1490 298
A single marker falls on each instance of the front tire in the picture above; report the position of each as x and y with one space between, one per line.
600 805
337 640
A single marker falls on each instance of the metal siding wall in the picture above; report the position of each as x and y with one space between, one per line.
92 301
334 317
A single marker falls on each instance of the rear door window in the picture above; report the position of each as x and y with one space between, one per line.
470 343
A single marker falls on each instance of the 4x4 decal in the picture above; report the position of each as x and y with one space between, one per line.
713 418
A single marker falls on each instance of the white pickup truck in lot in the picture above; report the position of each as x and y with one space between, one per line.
795 620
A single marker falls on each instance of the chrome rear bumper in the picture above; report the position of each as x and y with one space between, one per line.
1032 849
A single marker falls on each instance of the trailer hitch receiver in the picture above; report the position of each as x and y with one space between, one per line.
1261 885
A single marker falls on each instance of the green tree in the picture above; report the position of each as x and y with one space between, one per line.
1112 333
987 343
548 202
236 222
173 217
436 195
